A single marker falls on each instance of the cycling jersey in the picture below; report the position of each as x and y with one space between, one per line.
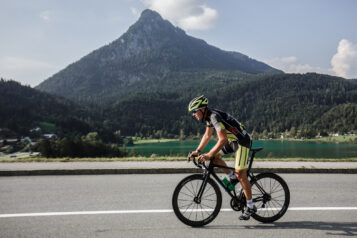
234 129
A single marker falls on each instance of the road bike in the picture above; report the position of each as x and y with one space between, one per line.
197 199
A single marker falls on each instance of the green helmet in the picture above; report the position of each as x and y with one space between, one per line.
197 103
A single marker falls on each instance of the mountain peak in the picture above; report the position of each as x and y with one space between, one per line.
151 22
151 48
150 32
150 14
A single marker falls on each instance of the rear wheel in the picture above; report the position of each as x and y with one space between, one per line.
188 208
271 196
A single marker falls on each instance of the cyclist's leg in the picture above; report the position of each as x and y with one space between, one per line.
218 160
227 149
241 165
243 179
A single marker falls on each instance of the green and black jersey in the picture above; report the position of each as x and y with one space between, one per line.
234 129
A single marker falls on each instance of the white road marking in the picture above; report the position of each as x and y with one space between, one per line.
155 211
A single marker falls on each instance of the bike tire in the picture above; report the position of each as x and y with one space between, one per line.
186 191
275 207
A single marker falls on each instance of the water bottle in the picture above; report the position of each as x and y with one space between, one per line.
228 184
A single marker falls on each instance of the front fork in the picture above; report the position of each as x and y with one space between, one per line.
198 198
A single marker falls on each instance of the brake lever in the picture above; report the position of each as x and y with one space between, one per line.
197 163
189 157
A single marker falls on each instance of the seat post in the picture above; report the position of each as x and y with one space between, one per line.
254 150
251 161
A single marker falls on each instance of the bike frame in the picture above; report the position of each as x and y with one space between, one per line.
210 171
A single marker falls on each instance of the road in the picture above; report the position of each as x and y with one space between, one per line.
141 207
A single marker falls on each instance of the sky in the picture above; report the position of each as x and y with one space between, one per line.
38 38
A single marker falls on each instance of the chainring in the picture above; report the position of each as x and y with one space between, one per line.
237 206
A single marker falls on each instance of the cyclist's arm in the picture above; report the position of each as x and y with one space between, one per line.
205 139
222 140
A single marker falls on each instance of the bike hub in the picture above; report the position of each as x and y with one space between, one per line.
266 198
197 200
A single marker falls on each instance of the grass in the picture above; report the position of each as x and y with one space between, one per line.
338 139
161 158
147 141
329 139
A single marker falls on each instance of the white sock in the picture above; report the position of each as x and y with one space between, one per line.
250 203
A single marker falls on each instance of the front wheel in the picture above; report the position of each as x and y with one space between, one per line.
189 208
271 196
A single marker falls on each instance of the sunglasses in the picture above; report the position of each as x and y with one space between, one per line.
196 110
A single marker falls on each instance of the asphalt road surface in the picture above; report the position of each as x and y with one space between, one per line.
322 205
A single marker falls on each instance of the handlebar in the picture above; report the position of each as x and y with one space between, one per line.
198 163
193 157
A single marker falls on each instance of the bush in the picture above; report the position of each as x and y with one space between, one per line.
88 146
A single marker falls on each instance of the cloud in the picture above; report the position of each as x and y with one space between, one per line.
134 11
291 64
26 71
344 62
187 14
46 15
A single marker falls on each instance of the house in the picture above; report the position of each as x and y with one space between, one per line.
28 139
36 129
9 141
50 136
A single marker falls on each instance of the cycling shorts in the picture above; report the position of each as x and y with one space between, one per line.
242 154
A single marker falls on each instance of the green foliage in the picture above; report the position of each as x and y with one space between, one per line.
87 146
48 127
23 108
340 118
303 104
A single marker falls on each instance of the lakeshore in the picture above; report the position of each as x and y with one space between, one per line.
25 158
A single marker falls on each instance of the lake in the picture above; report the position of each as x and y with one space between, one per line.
272 149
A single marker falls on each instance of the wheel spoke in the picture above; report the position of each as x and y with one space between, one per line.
210 195
207 190
202 212
188 195
205 199
180 199
276 202
193 189
273 190
282 189
207 206
188 189
186 205
205 210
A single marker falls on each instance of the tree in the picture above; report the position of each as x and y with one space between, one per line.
292 132
182 134
66 148
255 135
92 136
45 148
265 134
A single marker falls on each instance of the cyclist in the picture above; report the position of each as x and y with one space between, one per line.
232 137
